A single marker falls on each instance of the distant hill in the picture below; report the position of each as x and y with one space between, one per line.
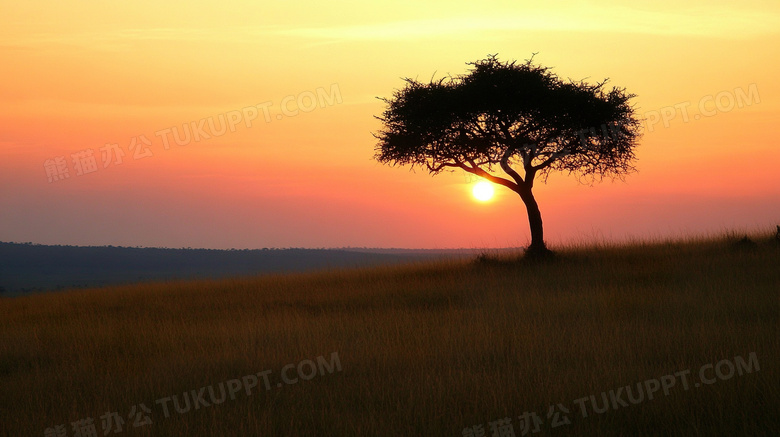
26 267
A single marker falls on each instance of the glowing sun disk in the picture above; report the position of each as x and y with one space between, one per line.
482 191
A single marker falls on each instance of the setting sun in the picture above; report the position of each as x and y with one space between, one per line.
482 191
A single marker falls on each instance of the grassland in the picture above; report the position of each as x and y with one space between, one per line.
424 350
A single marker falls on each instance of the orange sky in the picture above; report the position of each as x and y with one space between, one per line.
78 77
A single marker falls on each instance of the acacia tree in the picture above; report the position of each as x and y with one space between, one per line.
511 123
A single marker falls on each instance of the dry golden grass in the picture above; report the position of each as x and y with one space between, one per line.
425 350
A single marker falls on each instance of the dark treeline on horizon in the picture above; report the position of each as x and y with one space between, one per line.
27 267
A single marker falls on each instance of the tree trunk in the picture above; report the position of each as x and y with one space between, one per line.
538 246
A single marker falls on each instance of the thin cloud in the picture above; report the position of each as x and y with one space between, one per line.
714 22
129 36
709 22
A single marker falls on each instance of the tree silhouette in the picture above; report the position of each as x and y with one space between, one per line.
511 123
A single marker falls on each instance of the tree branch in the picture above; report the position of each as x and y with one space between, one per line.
552 158
509 170
495 179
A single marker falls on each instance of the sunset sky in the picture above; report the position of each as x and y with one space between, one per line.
78 76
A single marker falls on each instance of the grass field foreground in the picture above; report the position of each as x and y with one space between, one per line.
435 349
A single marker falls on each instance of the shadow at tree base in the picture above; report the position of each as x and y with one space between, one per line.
528 256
